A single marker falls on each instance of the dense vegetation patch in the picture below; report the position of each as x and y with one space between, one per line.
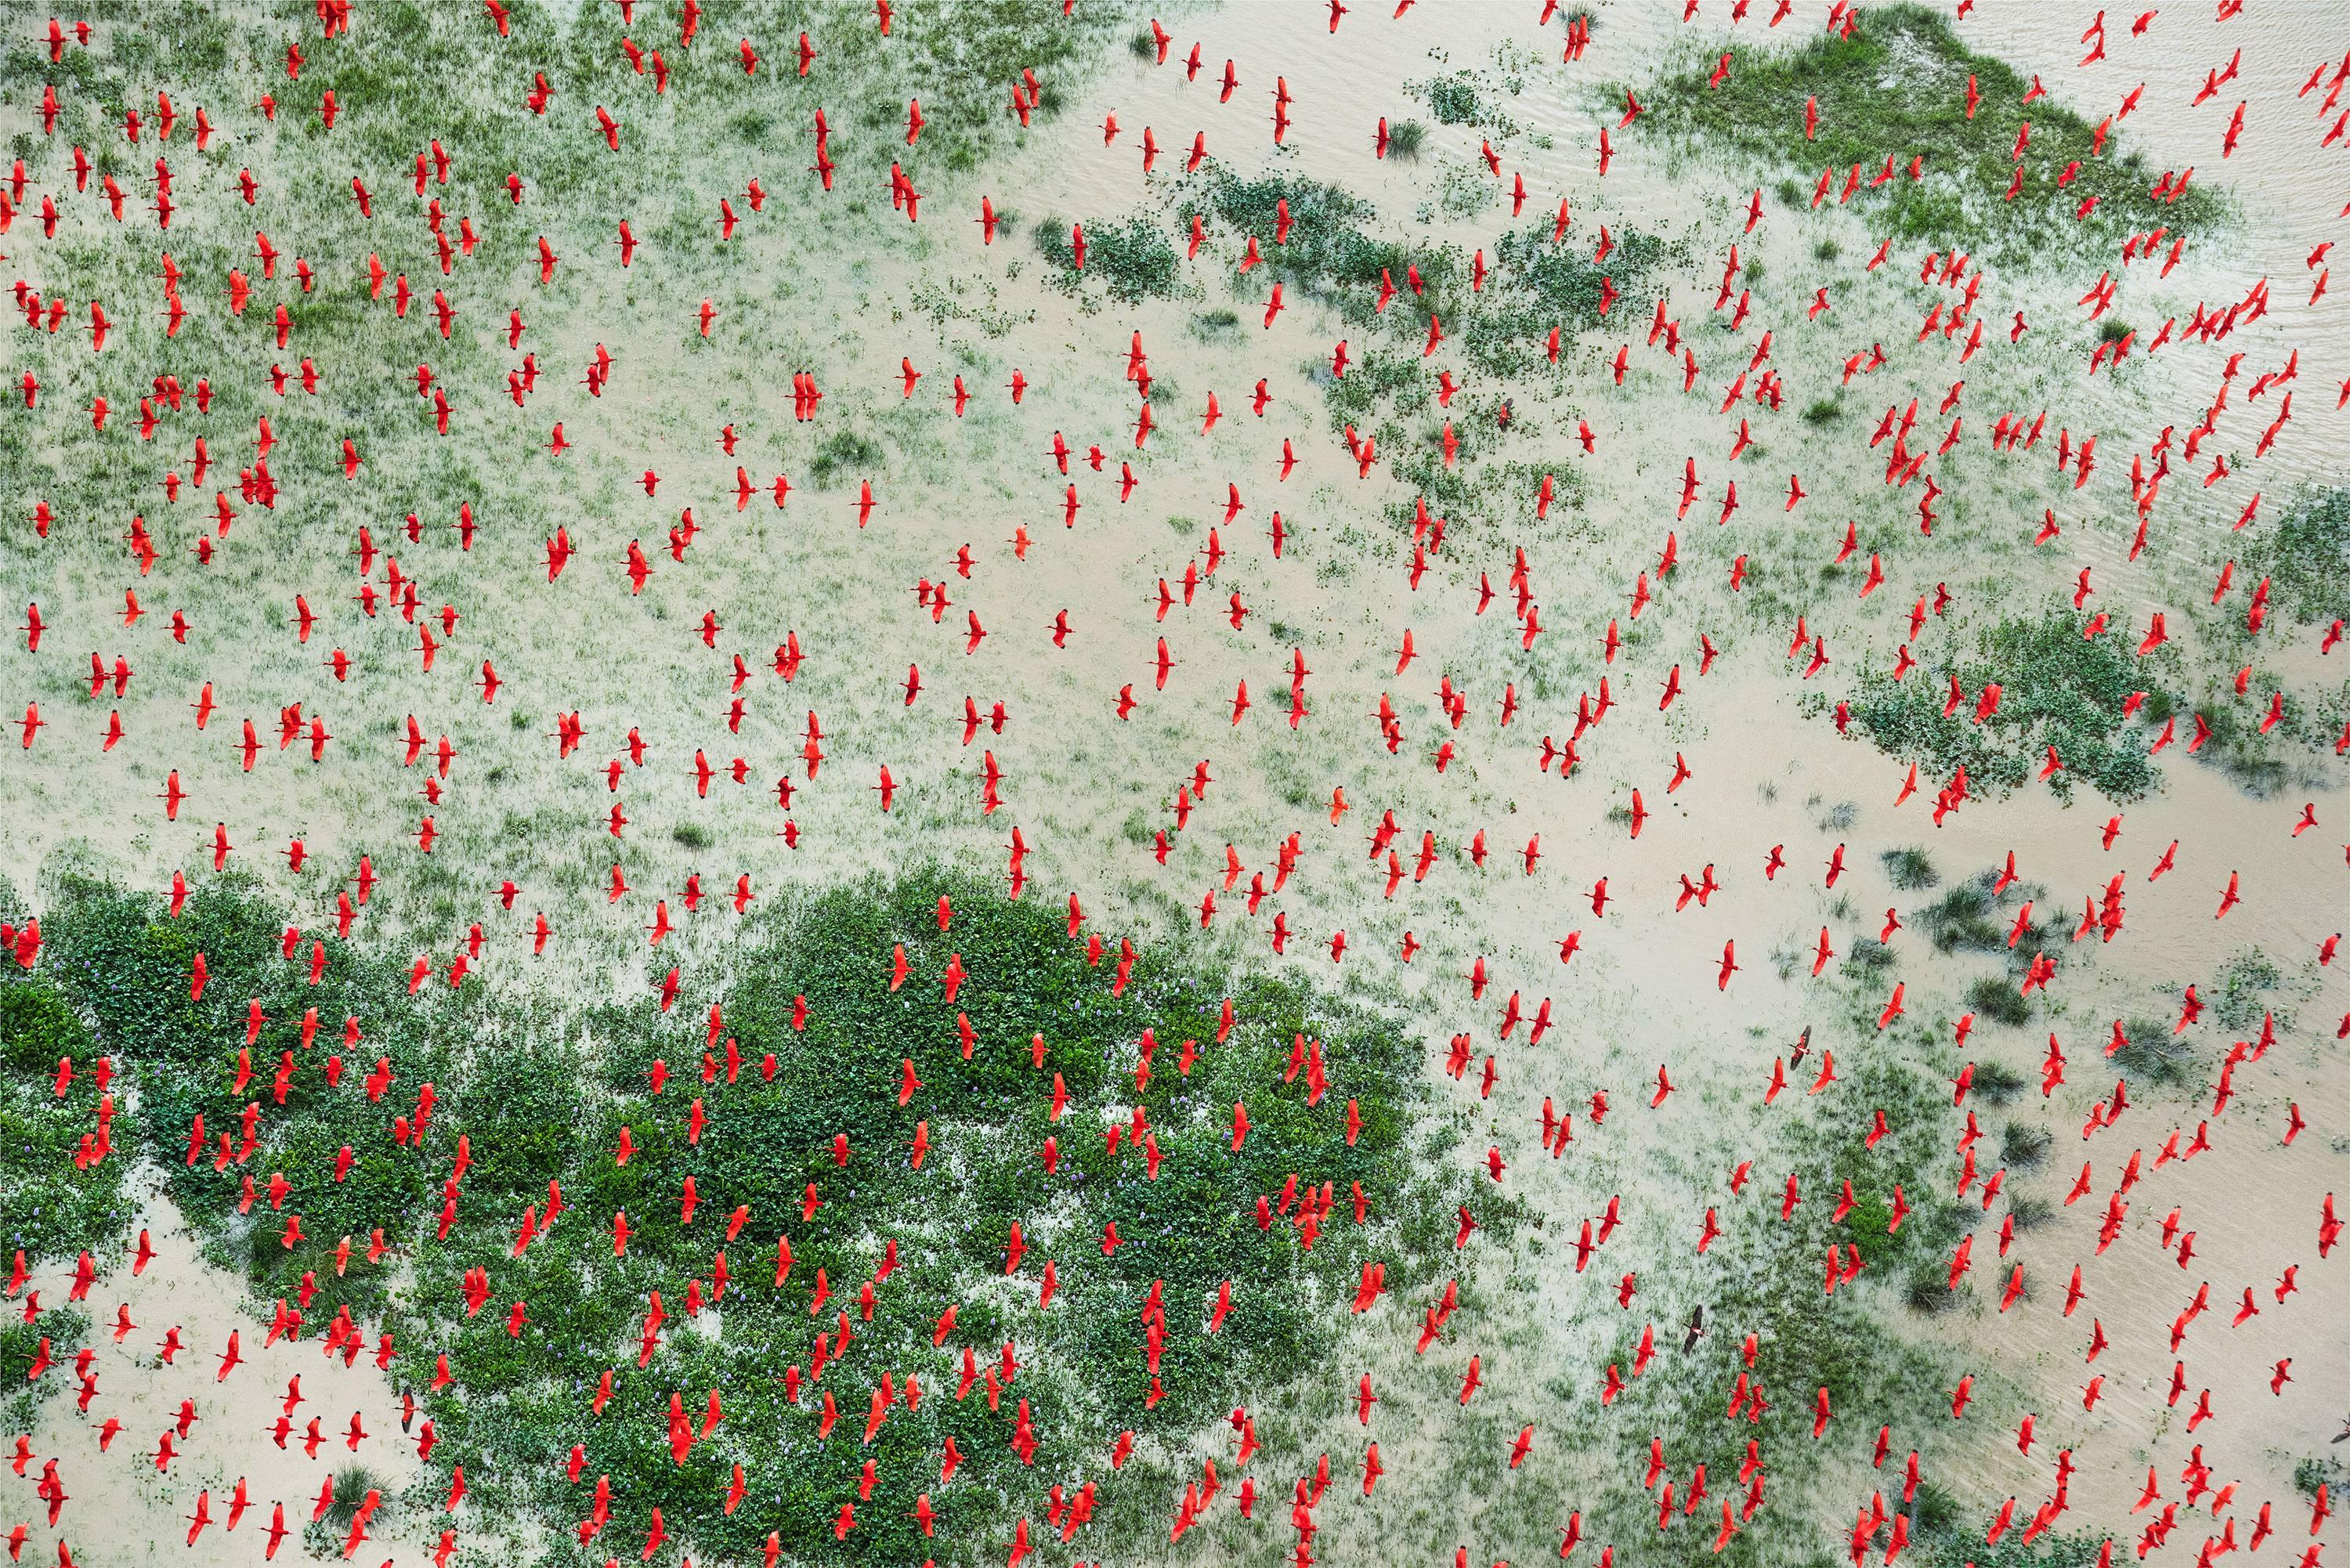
796 1113
1540 283
1764 1277
2056 688
1452 98
1133 260
2307 558
1328 250
1897 87
55 1200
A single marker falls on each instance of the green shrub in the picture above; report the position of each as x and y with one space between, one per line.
48 1207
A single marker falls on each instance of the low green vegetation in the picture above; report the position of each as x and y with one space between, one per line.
1910 868
50 1207
1765 1277
1133 261
1997 1000
1452 99
2264 758
2056 688
1897 88
53 1207
2246 988
1329 252
2306 558
793 1115
2320 1470
1540 283
844 455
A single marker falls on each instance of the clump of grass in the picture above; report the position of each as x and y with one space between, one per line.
2153 1053
2031 1211
692 835
352 1483
1822 411
1827 251
1997 1081
1910 868
2024 1144
1141 45
1928 1289
1997 1000
1867 956
1960 918
1405 137
2112 330
1897 86
842 454
1215 323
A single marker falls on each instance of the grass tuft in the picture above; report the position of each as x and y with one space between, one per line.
1910 868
